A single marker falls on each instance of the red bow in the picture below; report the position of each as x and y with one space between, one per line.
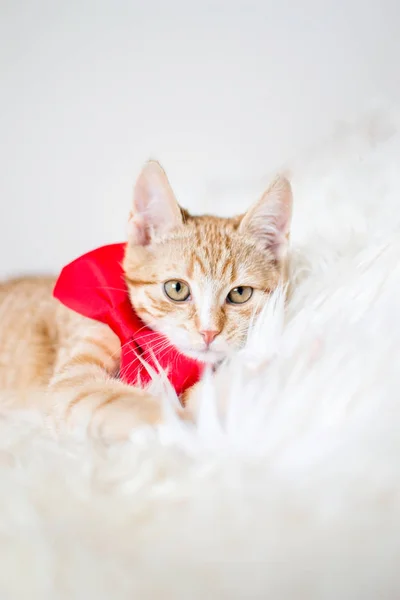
94 286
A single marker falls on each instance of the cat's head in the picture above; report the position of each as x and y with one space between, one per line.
199 280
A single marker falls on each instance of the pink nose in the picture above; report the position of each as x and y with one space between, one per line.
209 335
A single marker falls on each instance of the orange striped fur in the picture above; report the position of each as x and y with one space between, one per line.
45 345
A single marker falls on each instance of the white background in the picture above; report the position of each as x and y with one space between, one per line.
220 92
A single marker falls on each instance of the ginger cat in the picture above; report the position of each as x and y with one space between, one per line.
196 279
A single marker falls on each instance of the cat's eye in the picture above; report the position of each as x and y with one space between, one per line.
240 294
177 290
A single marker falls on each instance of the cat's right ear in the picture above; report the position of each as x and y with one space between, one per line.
155 210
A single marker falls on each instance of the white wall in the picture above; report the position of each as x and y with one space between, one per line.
220 92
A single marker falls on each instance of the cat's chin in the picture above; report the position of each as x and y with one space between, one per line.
210 357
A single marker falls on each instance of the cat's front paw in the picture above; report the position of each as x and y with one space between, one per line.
115 419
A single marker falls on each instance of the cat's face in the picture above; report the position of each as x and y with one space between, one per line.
200 280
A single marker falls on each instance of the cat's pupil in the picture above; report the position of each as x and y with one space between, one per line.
239 290
178 287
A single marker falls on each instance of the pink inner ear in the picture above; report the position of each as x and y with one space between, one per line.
137 230
270 229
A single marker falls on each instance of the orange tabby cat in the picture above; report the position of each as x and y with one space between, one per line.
197 280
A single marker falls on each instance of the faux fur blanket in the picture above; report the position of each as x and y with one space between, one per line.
295 492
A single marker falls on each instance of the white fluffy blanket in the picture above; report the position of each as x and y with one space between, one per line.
295 494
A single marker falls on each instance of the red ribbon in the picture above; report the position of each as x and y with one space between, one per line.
93 285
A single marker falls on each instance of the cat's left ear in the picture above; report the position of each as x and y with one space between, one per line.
155 210
268 220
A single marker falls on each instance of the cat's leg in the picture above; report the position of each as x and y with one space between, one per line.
190 401
86 397
192 398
